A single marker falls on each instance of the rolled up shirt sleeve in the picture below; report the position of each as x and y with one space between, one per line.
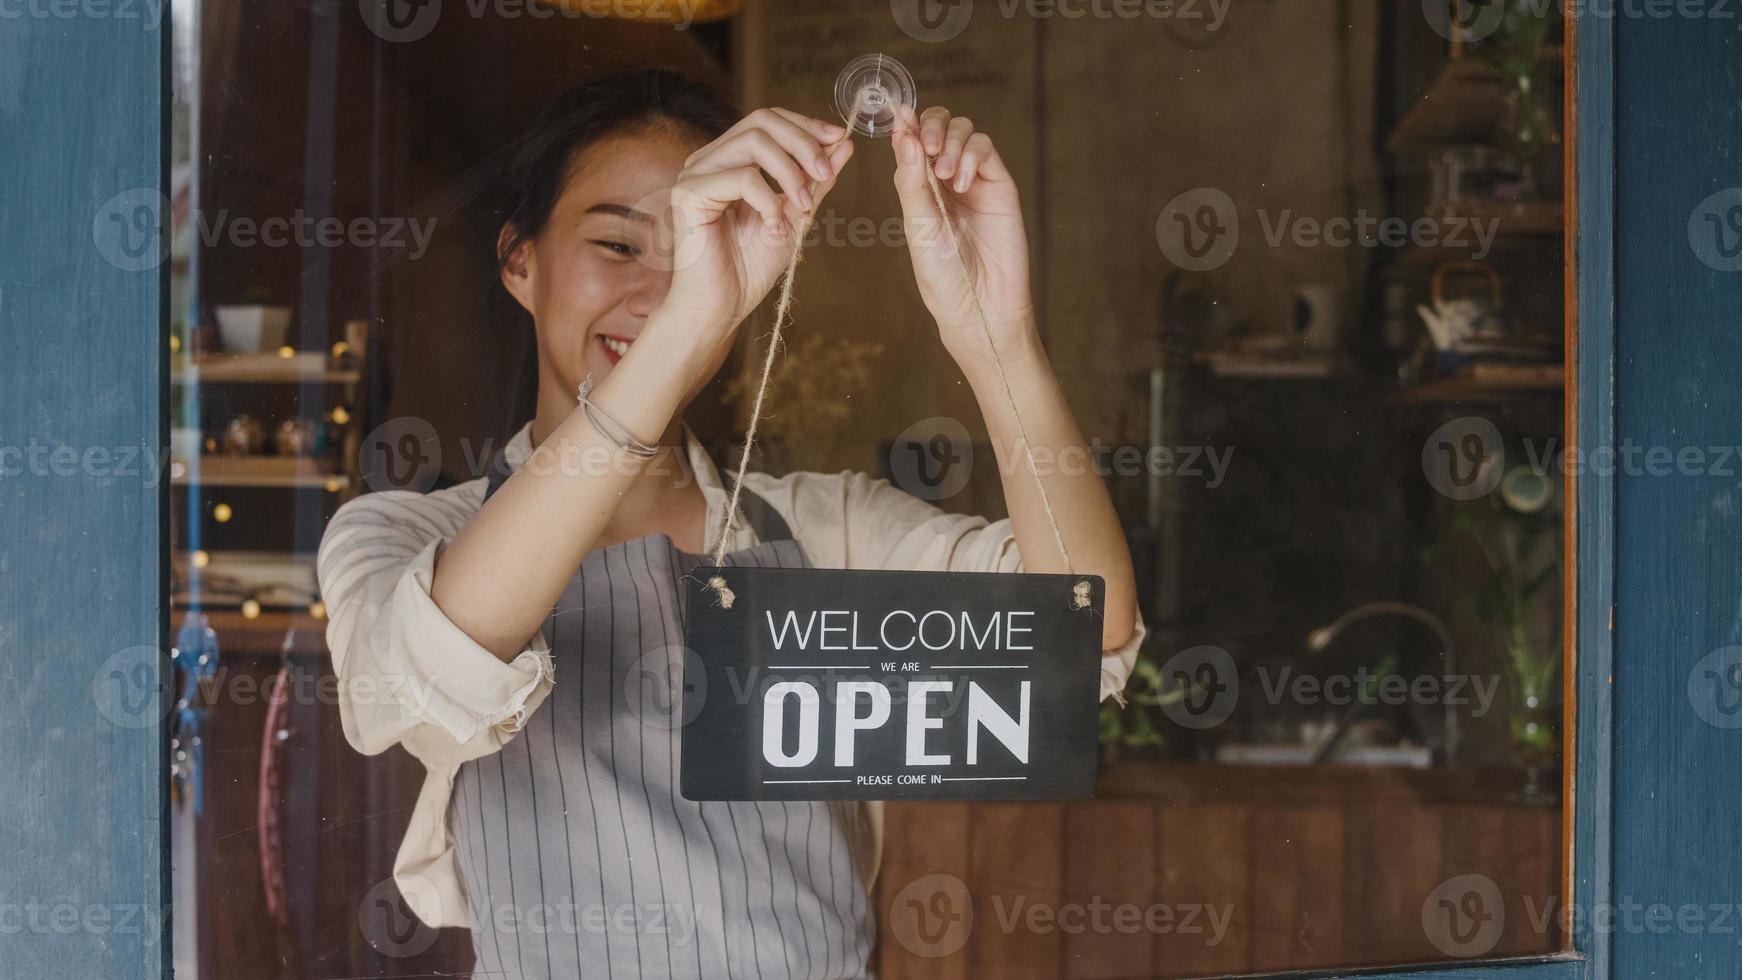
881 526
406 673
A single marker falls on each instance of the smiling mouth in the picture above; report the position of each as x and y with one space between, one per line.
615 347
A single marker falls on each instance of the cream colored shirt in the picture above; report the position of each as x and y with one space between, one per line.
409 676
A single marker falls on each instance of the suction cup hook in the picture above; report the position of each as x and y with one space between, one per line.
870 89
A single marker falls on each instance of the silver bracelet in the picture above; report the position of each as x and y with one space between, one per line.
610 428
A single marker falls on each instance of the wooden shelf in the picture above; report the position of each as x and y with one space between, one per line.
1187 784
1251 364
1489 383
1465 106
267 368
264 634
1519 224
296 472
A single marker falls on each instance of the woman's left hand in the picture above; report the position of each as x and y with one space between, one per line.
987 216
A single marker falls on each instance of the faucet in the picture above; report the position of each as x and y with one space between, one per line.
1322 637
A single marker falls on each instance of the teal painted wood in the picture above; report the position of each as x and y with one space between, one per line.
1594 573
83 878
1678 581
1559 968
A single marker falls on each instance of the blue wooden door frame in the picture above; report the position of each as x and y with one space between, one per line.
83 513
83 148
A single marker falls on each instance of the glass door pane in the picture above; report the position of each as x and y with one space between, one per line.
1299 270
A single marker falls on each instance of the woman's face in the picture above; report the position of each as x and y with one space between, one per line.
591 278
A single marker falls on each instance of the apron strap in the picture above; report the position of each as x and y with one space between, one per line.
758 512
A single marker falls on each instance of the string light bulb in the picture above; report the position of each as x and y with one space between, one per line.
222 513
250 608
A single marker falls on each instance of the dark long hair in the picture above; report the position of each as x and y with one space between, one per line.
540 162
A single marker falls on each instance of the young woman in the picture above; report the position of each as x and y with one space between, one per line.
499 629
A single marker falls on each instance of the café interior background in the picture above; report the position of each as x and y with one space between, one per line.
1293 383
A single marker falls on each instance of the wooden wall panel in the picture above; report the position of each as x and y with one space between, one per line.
1297 877
1201 858
1112 863
1018 855
922 840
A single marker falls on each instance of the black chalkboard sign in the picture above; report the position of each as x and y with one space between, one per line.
870 685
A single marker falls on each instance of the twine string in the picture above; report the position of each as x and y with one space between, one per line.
1080 593
782 308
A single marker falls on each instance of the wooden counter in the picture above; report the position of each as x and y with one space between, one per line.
1314 867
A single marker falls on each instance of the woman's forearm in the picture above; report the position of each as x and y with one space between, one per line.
500 576
1079 497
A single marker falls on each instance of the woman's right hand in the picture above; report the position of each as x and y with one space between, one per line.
733 231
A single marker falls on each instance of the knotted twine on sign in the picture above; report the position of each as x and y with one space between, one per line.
1080 593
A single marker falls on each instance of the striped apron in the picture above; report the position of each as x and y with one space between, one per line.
579 856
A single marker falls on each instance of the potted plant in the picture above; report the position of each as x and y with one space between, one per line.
254 325
1517 530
